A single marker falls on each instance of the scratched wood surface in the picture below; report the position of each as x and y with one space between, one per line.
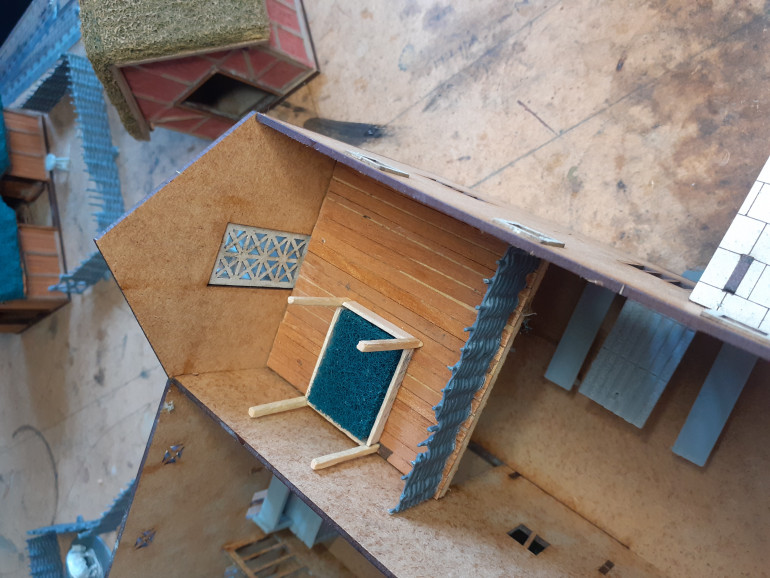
641 125
418 268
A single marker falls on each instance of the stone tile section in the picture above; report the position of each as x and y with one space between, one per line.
760 208
742 294
743 310
706 295
742 235
761 292
761 251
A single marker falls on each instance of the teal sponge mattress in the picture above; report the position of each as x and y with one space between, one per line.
11 275
350 386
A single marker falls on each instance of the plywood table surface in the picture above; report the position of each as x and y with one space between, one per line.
641 125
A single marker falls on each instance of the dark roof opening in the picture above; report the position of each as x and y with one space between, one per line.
228 96
12 13
538 545
520 533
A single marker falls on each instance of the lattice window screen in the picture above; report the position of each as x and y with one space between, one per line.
254 257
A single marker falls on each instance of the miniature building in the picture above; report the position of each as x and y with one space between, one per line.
240 271
196 66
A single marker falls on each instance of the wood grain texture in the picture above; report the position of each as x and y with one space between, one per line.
343 456
388 344
256 411
36 239
162 256
22 122
42 263
317 301
22 143
419 269
26 145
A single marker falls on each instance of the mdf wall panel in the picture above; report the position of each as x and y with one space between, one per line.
163 255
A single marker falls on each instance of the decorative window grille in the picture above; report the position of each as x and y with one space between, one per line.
254 257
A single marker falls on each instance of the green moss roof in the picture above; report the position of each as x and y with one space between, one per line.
116 32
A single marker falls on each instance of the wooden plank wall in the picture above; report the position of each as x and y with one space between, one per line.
42 261
416 267
26 145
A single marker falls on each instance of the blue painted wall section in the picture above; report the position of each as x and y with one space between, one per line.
579 335
11 274
37 46
281 509
75 75
636 362
468 375
715 402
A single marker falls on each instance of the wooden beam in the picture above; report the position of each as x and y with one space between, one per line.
579 335
388 344
323 349
343 456
317 301
390 396
714 403
277 406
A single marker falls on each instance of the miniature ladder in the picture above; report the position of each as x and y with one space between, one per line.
400 341
266 556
